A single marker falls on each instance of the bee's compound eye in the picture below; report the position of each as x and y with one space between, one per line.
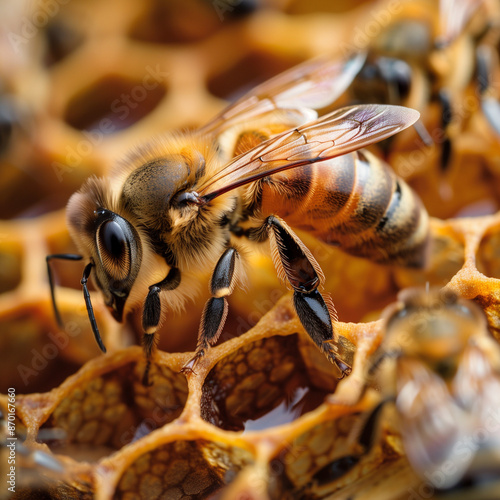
113 239
114 249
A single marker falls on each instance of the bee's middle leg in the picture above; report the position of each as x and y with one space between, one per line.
152 313
215 312
295 263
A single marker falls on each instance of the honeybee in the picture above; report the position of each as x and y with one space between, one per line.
440 366
190 203
435 55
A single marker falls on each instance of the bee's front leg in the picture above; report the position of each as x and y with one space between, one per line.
152 313
215 312
295 263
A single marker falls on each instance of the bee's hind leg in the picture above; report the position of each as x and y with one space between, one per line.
215 312
152 313
295 264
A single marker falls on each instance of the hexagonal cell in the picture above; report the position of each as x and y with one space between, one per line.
107 412
488 254
10 266
490 303
182 470
33 356
296 465
176 21
328 457
263 384
446 258
112 104
256 67
27 187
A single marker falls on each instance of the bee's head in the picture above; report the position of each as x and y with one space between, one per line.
160 190
406 38
108 240
433 325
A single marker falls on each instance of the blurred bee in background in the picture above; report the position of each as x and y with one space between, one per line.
430 57
440 366
190 204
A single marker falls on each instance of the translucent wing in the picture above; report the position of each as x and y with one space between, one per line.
311 85
476 387
454 16
433 426
334 134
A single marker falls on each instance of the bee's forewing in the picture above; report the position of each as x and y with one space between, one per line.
454 16
476 387
311 85
435 429
343 131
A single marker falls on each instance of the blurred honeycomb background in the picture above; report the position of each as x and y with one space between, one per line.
81 82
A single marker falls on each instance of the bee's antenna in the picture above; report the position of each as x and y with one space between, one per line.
86 295
62 256
90 309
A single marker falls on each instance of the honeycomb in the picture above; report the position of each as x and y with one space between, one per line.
265 413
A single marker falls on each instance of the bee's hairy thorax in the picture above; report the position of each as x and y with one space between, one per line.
188 237
199 239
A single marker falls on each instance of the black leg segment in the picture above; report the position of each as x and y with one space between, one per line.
315 318
446 118
151 314
295 264
90 309
215 312
152 306
86 294
59 256
212 322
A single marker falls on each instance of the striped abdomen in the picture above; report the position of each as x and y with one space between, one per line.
356 202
